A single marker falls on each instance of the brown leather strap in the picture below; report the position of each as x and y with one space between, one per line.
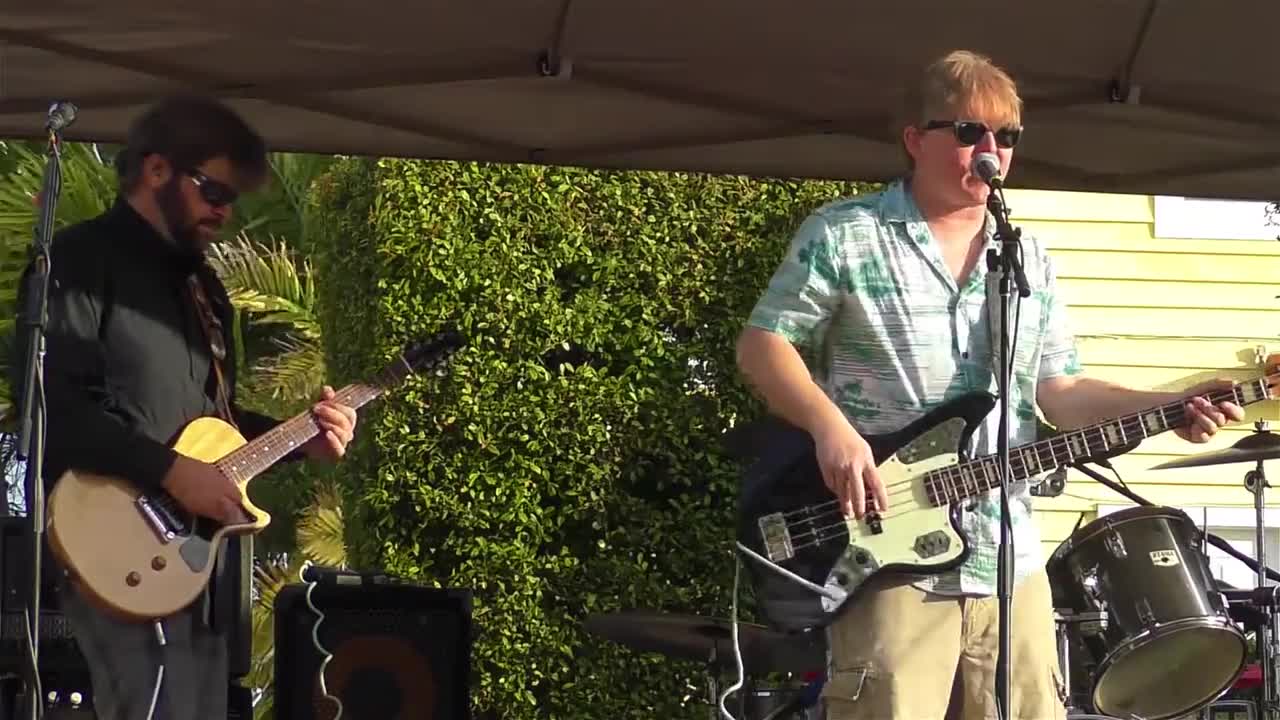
217 345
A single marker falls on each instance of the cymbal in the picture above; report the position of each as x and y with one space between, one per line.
1251 448
709 640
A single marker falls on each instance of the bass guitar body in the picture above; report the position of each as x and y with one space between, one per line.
808 562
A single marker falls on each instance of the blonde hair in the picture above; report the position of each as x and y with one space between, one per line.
964 85
961 85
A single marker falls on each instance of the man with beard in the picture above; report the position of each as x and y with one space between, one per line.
136 350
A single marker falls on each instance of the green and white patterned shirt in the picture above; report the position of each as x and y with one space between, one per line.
866 295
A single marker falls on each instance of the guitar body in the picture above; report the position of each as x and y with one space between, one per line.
789 521
120 553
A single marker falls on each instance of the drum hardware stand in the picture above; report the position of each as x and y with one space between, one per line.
1265 640
1091 623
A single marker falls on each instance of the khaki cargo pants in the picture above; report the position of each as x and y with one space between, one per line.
896 653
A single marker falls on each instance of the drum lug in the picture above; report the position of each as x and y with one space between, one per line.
1115 544
1146 615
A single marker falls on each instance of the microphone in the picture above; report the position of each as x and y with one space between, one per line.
61 115
987 167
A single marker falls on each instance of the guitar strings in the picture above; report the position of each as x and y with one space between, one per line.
819 512
934 480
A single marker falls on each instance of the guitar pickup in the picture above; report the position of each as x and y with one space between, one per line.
776 537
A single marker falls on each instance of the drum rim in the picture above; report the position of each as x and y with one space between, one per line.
1111 520
1175 625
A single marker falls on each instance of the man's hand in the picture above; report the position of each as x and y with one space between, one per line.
337 424
848 467
1204 418
203 489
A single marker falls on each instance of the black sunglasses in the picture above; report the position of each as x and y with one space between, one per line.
969 132
214 192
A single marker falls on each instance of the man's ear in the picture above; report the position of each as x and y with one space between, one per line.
911 138
156 171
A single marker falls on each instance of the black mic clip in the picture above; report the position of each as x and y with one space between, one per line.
1010 238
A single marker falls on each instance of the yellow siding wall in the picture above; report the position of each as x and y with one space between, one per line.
1160 314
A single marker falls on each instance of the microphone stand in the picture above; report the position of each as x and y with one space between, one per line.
1008 262
31 435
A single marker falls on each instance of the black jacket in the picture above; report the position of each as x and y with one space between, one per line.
127 365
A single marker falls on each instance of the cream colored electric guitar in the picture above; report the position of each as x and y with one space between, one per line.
140 556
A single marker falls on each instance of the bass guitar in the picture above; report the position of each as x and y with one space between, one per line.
807 561
141 556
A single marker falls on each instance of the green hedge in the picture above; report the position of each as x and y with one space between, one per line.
568 463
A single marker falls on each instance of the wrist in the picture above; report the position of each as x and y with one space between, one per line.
825 416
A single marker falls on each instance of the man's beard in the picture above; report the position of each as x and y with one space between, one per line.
181 227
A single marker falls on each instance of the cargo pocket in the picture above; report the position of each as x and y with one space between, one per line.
849 694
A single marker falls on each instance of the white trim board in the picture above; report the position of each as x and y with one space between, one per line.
1212 219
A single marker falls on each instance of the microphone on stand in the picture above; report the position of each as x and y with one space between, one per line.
61 115
986 166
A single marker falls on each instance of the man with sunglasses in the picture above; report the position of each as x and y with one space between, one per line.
889 295
138 346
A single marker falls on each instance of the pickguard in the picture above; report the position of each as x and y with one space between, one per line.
942 439
914 534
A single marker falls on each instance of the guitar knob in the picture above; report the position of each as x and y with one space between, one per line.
132 579
157 563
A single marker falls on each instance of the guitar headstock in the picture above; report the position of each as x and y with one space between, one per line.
427 355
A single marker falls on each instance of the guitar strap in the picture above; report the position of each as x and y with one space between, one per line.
214 334
219 606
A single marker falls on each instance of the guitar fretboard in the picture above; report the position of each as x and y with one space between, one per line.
965 480
260 454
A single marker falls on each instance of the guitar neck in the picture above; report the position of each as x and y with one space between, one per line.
265 450
1106 439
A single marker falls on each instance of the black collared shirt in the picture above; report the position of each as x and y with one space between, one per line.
127 363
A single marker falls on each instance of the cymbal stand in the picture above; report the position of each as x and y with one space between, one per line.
1256 482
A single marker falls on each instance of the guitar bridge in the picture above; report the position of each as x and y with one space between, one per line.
163 517
776 536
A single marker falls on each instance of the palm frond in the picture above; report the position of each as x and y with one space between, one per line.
88 187
268 283
281 208
322 529
296 373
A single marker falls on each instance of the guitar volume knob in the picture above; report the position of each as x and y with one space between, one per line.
133 579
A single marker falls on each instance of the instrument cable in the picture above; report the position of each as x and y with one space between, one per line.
315 639
155 693
737 647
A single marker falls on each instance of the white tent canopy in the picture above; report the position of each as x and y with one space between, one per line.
1170 97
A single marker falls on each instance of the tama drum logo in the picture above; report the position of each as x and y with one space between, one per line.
1164 558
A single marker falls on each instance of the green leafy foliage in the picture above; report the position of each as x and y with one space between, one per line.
568 461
